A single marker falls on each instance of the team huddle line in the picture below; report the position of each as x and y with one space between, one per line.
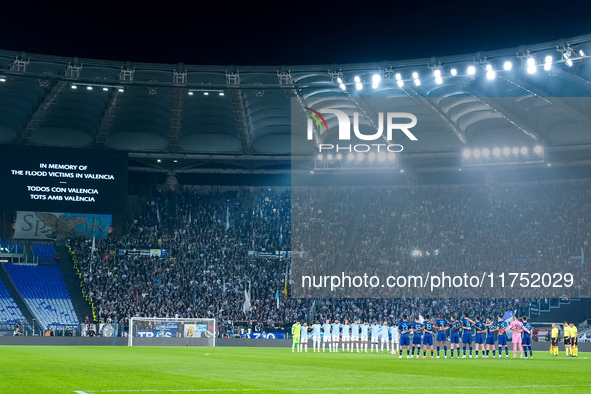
425 333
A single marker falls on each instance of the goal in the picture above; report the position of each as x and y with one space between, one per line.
148 331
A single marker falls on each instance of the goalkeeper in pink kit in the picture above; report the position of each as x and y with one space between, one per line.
517 328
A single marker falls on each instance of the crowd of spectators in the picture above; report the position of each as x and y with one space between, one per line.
208 234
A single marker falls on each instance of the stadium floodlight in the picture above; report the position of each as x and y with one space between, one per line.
159 161
531 65
329 157
415 75
467 153
391 156
524 150
471 70
476 153
507 66
339 80
582 53
351 156
360 156
221 93
376 80
190 93
488 67
515 150
74 87
106 89
121 90
491 74
320 156
339 156
548 63
89 88
358 86
357 79
438 80
538 149
486 152
382 157
496 152
417 82
454 72
343 87
398 77
400 83
506 151
437 73
2 79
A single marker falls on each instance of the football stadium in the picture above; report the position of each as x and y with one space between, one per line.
421 223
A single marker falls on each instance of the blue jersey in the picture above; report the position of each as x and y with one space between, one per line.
454 325
491 329
404 326
502 326
336 328
364 329
326 329
428 327
384 331
304 331
441 323
355 329
526 330
417 328
346 330
375 330
467 324
479 326
316 329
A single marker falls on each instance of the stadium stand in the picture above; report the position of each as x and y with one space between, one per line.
44 291
45 253
10 247
208 239
9 311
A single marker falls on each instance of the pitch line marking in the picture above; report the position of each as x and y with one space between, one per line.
315 389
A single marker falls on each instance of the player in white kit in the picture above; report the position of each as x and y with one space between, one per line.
316 327
304 337
355 335
346 332
385 336
395 338
375 335
326 336
336 333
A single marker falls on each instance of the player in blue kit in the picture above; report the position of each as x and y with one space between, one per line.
427 336
327 336
346 332
385 336
316 335
491 327
364 335
336 333
404 328
454 340
479 338
375 335
417 338
355 335
467 337
526 337
502 338
441 326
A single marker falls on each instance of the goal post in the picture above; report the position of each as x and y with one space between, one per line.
156 331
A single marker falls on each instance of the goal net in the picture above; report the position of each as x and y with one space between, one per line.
144 331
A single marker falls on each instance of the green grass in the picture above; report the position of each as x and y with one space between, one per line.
48 369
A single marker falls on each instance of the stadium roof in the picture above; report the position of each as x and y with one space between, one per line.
238 119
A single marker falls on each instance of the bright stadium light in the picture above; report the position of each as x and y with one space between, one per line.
489 67
524 150
454 72
437 73
417 82
531 65
485 152
339 156
190 93
391 156
351 156
398 76
360 156
121 90
400 83
515 150
467 153
582 53
538 149
471 70
496 152
339 80
358 84
320 157
491 74
343 87
357 79
2 79
506 151
376 80
329 157
507 66
106 89
221 93
89 88
476 153
548 63
382 157
415 75
74 87
438 80
206 93
372 156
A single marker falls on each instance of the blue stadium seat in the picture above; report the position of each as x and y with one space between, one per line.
44 252
44 290
11 247
9 312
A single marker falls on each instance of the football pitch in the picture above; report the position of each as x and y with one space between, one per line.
48 369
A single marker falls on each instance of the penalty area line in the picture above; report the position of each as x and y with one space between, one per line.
317 389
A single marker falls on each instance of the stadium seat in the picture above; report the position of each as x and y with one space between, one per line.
44 252
9 311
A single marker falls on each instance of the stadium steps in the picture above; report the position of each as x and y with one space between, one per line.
576 311
16 296
81 306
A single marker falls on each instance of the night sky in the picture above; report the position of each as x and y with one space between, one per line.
283 33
